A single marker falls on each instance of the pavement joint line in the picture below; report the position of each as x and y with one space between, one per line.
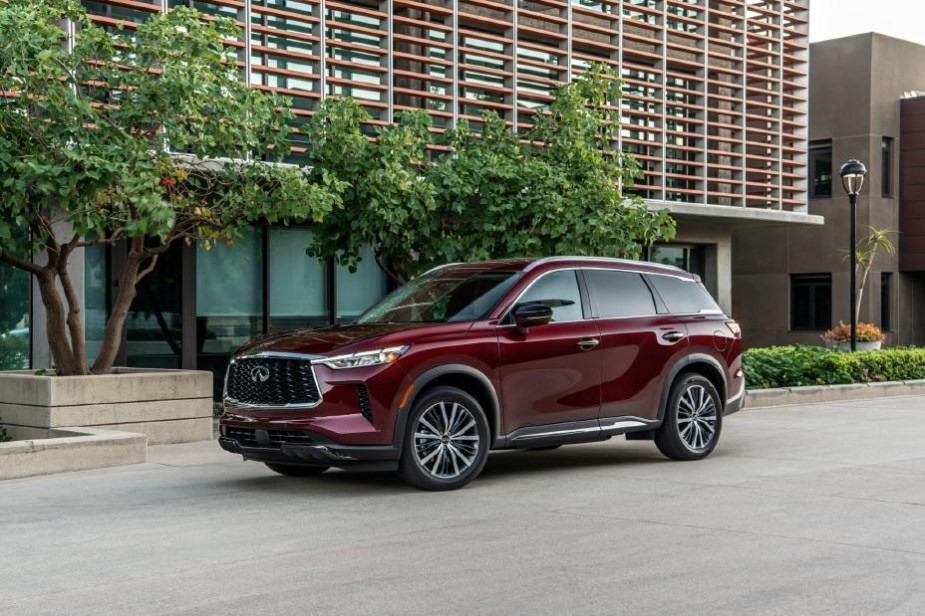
741 532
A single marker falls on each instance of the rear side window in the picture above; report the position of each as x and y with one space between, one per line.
683 296
559 291
620 294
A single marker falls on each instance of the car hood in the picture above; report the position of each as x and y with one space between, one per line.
333 340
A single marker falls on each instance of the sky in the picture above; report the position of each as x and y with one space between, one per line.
903 19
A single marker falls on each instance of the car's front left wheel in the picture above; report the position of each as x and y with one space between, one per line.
446 440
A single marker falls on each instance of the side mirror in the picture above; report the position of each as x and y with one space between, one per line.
531 315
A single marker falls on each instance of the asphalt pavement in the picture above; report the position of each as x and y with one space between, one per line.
801 510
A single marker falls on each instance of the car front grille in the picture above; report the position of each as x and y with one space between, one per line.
272 381
254 437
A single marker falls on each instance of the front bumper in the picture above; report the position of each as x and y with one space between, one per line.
315 450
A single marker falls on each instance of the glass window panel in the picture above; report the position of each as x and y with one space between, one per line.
298 283
229 300
14 318
154 324
621 294
358 291
95 282
683 296
559 291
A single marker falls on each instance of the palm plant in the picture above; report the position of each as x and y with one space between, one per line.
866 251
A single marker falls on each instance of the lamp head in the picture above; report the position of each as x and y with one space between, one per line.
852 176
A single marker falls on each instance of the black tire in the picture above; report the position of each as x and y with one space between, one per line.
695 415
294 470
432 457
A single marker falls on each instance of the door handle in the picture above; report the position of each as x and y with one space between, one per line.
586 344
673 336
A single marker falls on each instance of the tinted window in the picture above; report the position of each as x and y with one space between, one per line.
559 291
820 168
811 301
621 294
683 296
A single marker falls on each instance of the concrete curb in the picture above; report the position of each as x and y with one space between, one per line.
71 449
818 394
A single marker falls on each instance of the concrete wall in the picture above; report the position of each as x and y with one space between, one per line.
854 109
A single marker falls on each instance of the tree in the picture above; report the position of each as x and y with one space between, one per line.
866 252
492 194
88 143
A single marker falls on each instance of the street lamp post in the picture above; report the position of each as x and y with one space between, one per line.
852 178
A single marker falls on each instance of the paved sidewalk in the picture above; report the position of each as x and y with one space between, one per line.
801 510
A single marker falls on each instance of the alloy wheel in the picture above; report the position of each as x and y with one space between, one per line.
446 440
697 417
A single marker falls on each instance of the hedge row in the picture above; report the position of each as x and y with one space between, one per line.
795 366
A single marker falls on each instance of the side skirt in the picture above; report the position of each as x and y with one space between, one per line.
587 431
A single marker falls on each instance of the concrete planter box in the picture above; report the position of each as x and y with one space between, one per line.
45 452
168 406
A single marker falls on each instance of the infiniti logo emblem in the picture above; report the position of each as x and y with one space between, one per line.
260 374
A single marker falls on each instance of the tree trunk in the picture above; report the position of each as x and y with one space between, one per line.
56 325
112 337
75 324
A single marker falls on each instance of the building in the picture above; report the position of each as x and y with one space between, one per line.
792 284
715 108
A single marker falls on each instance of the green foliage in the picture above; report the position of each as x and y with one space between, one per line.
796 366
89 136
4 435
491 195
14 352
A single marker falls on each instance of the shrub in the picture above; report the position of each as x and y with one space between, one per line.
14 352
4 435
798 366
867 332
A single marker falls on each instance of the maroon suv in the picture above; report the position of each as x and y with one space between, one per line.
516 354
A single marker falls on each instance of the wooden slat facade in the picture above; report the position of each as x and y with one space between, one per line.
715 91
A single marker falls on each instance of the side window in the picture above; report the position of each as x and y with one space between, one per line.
559 291
620 294
683 296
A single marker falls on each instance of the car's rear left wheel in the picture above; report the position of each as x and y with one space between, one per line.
693 419
446 440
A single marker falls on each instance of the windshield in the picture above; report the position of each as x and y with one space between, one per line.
447 295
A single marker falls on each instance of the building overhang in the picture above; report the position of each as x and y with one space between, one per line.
734 216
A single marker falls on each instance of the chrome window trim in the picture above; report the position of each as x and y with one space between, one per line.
229 402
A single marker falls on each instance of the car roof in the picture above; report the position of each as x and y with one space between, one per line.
528 264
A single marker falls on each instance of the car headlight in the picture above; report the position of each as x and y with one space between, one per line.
364 359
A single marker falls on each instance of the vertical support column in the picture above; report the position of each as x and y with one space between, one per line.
455 65
622 103
188 316
744 105
706 102
514 76
779 8
568 42
248 45
390 61
323 49
664 114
